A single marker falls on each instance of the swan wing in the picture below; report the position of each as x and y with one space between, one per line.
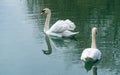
65 33
70 24
62 25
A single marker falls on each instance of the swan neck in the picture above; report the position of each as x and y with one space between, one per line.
47 22
93 44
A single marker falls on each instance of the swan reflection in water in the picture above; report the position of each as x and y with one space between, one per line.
49 51
94 70
91 66
60 44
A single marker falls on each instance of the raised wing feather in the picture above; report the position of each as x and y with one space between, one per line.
61 26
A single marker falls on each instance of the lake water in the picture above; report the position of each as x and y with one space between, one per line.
22 39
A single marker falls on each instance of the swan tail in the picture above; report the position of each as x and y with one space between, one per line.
75 33
68 33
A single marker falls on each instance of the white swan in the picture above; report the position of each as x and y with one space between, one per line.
91 54
61 28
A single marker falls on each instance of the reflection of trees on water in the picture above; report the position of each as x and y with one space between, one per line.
104 14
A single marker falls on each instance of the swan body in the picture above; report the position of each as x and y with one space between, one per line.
62 28
91 54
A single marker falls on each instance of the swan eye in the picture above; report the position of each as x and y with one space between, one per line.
43 10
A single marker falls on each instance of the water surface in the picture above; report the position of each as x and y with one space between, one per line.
22 37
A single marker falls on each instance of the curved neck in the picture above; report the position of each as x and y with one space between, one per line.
46 26
93 44
49 51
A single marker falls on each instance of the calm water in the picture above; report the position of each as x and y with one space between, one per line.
25 50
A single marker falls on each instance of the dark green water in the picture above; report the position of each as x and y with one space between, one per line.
22 40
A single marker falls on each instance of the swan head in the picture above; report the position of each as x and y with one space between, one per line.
45 11
94 30
46 52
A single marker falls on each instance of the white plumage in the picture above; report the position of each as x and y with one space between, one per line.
91 54
62 28
62 25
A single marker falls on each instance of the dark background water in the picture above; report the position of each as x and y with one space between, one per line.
22 39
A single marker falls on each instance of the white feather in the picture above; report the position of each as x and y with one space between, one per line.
61 26
93 53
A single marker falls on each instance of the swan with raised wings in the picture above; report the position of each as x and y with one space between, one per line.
91 54
62 28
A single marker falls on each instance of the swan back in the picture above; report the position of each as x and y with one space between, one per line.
93 53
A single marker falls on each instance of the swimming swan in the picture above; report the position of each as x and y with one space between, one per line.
61 28
91 54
